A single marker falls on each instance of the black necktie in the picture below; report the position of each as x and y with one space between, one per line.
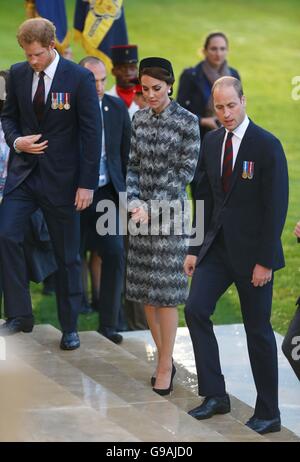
39 97
227 163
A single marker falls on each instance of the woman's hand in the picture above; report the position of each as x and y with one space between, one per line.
189 264
139 215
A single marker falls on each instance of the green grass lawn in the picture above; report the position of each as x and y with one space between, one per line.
264 40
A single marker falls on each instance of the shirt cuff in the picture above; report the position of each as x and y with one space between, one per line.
15 147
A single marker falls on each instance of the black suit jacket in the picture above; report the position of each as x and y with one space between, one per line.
117 129
252 213
74 136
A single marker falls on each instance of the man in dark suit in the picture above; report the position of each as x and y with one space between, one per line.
112 174
243 174
53 127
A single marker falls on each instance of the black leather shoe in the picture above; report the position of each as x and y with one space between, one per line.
115 338
70 341
15 325
111 335
211 405
264 426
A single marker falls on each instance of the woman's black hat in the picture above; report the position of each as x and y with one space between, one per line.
156 62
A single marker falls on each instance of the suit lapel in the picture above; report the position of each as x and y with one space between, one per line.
57 82
107 122
242 155
217 158
28 94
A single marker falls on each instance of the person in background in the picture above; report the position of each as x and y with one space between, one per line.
52 125
125 70
164 151
291 341
139 98
194 91
244 168
113 164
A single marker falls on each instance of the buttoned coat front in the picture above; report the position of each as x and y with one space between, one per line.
164 152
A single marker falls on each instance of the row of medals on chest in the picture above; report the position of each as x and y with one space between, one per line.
60 101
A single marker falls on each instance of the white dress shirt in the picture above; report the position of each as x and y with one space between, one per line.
48 77
104 177
238 134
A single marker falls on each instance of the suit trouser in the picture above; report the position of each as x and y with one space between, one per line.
291 342
64 230
211 279
110 248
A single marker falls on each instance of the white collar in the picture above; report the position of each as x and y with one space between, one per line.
50 70
239 131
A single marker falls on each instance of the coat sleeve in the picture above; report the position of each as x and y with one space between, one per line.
89 121
125 142
133 169
235 74
10 114
274 199
186 93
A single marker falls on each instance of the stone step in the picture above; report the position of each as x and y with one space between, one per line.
232 425
120 375
185 394
133 372
111 384
90 392
38 409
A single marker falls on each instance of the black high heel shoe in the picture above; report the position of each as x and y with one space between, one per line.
166 391
153 378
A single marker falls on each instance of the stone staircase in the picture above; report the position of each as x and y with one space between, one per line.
102 392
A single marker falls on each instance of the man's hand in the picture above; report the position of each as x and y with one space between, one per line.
189 264
29 144
297 229
138 214
261 276
83 198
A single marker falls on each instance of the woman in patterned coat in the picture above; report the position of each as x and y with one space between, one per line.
165 147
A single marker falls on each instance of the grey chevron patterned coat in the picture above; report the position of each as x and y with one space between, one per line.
164 153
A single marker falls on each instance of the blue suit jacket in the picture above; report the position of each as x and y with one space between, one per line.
117 129
252 213
74 136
